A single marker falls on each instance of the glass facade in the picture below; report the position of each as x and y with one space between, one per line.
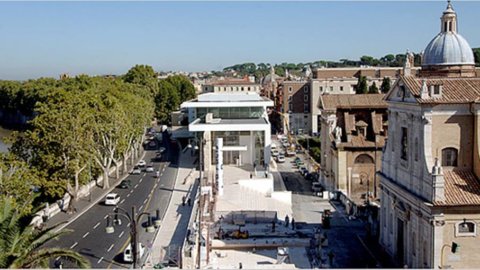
232 138
232 112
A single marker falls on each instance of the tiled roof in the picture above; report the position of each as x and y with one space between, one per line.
455 90
461 188
360 141
337 101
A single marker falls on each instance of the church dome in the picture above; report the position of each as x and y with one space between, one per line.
448 47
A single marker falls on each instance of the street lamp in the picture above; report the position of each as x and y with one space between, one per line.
134 220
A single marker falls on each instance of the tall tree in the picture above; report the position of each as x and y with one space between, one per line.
373 89
362 86
476 54
183 87
386 84
142 75
166 101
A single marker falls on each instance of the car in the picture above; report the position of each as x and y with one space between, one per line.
275 153
161 150
136 170
273 146
303 171
297 159
141 163
299 163
281 158
285 144
149 168
317 187
125 184
128 252
290 153
112 199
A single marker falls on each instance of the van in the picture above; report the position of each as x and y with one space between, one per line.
128 253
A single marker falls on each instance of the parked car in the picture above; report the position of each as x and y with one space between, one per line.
128 252
317 187
136 170
141 163
303 170
125 184
299 163
281 159
149 168
275 153
112 199
290 153
311 176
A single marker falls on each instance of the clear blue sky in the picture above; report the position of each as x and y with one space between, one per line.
49 38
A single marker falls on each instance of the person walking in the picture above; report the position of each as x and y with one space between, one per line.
189 201
293 223
183 200
287 221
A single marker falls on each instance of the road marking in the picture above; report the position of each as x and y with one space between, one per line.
140 209
141 179
131 191
105 217
161 174
122 201
144 201
57 258
99 261
128 195
74 245
136 185
110 248
121 234
96 225
162 185
85 235
163 169
128 225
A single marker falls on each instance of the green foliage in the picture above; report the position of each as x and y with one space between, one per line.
386 85
142 75
362 86
183 87
373 89
476 54
20 245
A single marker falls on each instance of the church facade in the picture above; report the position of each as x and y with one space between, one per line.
429 181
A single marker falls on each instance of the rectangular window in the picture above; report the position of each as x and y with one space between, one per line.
341 88
290 107
305 89
404 144
305 98
331 88
321 88
289 98
305 108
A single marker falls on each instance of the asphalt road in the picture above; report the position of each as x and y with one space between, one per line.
147 194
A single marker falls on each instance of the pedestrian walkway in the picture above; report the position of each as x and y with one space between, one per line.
172 232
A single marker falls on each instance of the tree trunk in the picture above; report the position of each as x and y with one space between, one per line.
73 197
117 169
125 159
106 183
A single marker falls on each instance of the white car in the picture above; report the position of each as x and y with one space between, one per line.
149 168
136 170
281 159
275 153
112 199
141 163
128 252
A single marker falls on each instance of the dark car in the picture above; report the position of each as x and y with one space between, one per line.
125 184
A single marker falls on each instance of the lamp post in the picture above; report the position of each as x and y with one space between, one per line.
134 220
454 248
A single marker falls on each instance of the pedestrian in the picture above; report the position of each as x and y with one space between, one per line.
254 165
189 201
273 225
330 257
183 200
240 265
293 224
287 221
251 175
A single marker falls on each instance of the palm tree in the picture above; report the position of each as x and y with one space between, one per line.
20 245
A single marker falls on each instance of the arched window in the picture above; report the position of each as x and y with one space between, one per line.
465 228
364 159
449 157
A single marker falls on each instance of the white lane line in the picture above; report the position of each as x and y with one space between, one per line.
136 185
144 201
131 191
141 179
163 169
74 245
85 235
105 217
99 261
57 258
154 186
122 201
121 234
128 224
140 209
96 225
110 248
128 195
161 174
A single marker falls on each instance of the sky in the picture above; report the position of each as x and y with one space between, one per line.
45 39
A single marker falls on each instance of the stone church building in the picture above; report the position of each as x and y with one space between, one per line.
429 180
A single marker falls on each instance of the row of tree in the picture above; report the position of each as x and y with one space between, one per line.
389 60
363 88
81 127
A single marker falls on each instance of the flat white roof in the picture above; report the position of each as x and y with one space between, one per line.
246 99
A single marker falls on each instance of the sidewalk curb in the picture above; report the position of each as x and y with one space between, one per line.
70 221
